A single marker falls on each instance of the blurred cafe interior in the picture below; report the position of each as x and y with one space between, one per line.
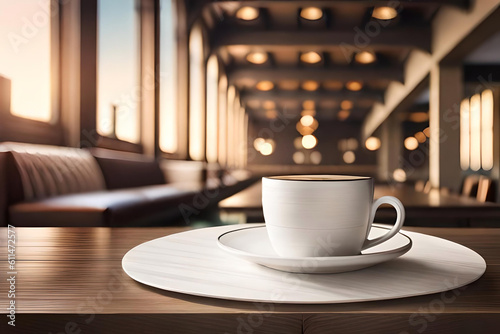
168 112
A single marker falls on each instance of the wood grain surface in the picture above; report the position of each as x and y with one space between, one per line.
72 277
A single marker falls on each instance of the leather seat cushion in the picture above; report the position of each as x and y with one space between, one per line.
127 207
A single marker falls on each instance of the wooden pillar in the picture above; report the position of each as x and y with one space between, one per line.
446 93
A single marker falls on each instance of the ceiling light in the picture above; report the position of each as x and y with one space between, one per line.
349 157
308 104
309 141
419 117
257 57
411 143
304 130
399 175
247 13
343 114
427 132
310 85
384 13
365 57
269 105
264 85
271 114
420 137
311 13
308 112
315 157
346 104
257 143
299 157
266 149
297 143
310 57
372 143
354 85
307 120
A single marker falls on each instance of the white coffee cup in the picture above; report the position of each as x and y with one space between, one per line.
323 215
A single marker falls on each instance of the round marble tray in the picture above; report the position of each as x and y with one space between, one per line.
192 263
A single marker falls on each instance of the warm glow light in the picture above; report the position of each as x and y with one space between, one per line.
264 85
307 130
257 57
25 57
464 134
411 143
309 141
365 57
342 115
349 157
297 143
212 108
299 158
196 95
307 120
419 117
310 85
420 137
384 13
258 142
311 13
308 113
266 149
308 104
346 104
427 132
247 13
487 130
475 132
315 158
333 85
372 143
310 57
399 175
354 85
271 114
230 113
289 84
269 105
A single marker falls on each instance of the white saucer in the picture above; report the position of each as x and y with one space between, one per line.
252 244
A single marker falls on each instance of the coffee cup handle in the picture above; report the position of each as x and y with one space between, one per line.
400 211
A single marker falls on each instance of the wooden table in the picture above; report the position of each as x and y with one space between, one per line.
69 280
417 204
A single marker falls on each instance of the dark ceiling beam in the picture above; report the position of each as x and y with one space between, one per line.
351 40
339 73
320 3
483 74
283 96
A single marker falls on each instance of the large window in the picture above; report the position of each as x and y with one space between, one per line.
212 107
223 120
118 64
168 77
26 30
196 95
476 132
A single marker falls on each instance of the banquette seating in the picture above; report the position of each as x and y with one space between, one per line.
60 186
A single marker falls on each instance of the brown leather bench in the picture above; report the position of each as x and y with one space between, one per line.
58 186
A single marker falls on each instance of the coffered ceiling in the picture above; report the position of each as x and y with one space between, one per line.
281 54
